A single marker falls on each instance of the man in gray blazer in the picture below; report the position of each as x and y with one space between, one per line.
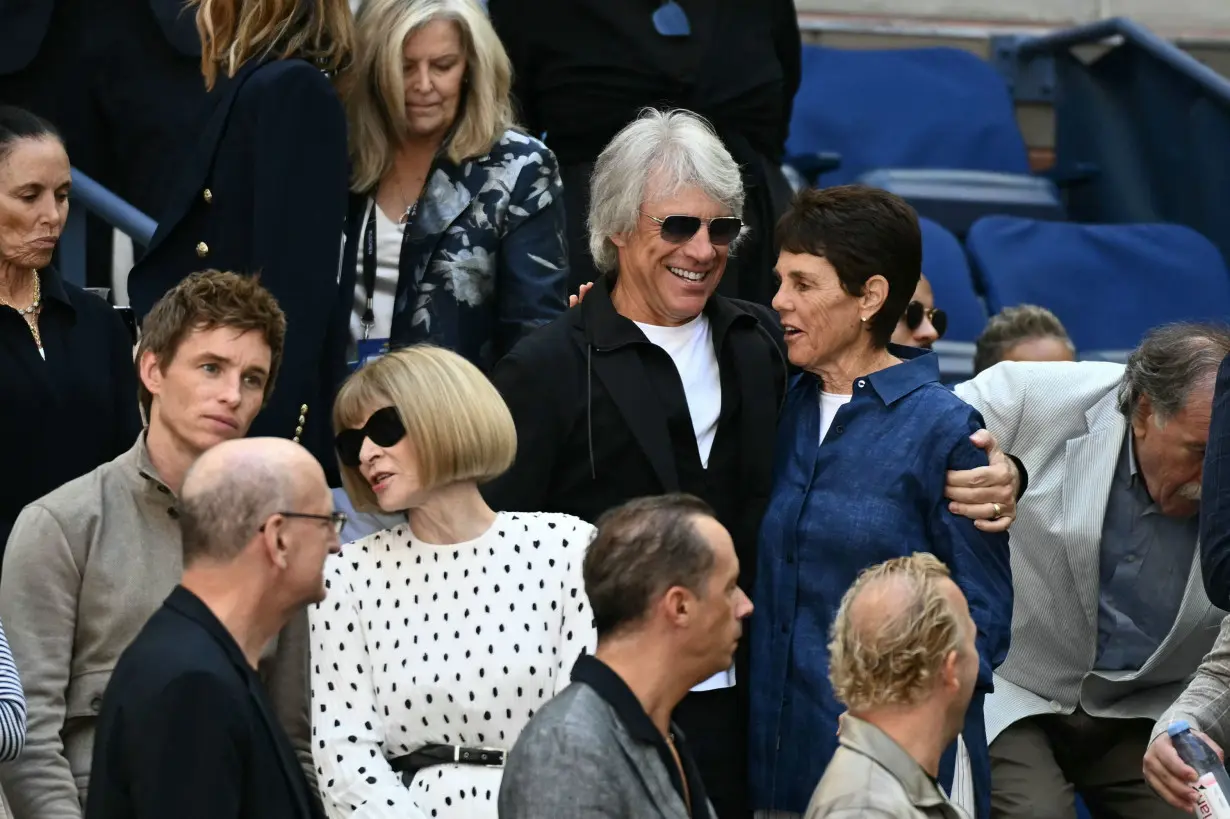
1111 615
87 565
662 580
903 660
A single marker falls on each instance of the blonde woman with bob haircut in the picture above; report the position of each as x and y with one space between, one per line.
455 232
442 635
264 191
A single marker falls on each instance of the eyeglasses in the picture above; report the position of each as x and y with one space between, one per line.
680 229
384 428
335 519
915 312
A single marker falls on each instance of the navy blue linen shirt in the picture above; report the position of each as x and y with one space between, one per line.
873 490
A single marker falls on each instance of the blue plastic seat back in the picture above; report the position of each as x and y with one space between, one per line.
946 267
910 108
1108 284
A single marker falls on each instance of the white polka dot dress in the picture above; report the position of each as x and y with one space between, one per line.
418 644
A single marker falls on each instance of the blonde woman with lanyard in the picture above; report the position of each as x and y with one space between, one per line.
455 234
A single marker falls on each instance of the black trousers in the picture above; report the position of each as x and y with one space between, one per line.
717 736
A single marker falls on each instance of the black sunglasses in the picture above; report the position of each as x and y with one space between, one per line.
680 229
384 428
914 316
335 519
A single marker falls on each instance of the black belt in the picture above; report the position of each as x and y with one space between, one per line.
413 762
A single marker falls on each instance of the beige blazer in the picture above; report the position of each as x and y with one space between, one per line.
1063 422
85 568
871 775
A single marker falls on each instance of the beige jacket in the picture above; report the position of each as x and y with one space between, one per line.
84 569
872 777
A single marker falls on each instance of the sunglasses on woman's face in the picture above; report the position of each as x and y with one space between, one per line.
914 317
680 229
384 429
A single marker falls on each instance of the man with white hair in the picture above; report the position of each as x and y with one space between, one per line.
903 660
655 384
186 728
1111 616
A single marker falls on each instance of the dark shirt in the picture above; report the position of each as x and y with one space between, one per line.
585 68
610 686
1145 559
186 729
71 412
874 490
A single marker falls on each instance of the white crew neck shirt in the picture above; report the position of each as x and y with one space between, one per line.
690 346
830 402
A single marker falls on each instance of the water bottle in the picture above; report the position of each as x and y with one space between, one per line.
1213 783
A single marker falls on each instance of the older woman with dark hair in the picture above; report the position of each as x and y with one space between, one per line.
70 389
865 438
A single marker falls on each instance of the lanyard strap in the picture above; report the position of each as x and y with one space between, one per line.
368 318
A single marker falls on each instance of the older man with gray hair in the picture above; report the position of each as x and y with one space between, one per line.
186 728
656 384
1111 614
903 660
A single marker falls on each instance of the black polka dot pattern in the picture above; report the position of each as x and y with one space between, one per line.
419 644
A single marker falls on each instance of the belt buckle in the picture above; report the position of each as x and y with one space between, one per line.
480 755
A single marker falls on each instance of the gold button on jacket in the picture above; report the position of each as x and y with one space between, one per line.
208 195
202 249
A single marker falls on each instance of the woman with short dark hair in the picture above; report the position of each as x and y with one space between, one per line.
865 438
70 388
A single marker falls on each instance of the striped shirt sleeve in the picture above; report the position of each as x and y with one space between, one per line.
12 705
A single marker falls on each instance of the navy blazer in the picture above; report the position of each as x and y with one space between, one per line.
265 193
186 729
484 260
1215 496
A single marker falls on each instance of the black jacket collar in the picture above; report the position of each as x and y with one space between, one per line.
591 671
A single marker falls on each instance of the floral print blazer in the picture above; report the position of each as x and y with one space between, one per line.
483 259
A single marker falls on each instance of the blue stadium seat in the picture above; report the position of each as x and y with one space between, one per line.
1108 284
935 108
928 112
946 267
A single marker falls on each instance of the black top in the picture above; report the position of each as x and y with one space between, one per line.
584 68
611 687
72 412
602 418
186 729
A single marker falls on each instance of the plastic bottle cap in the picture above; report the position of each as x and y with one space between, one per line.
1177 727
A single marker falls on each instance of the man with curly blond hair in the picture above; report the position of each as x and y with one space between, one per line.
903 661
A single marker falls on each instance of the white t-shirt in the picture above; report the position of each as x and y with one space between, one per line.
690 346
388 261
830 402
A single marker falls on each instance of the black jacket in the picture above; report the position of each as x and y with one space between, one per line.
265 193
187 731
602 418
66 415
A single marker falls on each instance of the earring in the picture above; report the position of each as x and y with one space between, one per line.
863 319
